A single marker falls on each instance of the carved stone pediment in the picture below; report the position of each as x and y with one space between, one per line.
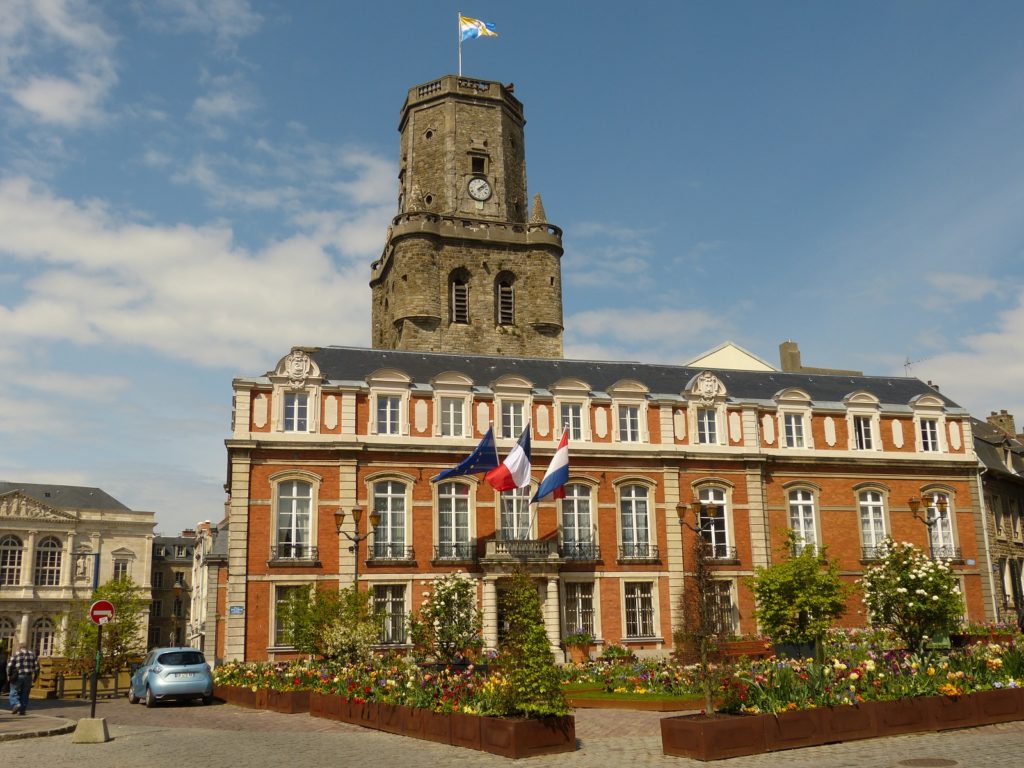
297 368
705 387
16 505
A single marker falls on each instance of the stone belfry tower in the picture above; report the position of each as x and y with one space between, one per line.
465 268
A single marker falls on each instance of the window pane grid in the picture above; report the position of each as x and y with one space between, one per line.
629 423
389 604
511 419
572 417
48 557
452 518
451 417
801 519
707 426
10 561
388 414
862 432
389 503
639 610
293 519
579 607
794 424
576 522
633 512
872 519
929 435
295 408
515 514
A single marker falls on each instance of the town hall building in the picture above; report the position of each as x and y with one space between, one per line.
333 451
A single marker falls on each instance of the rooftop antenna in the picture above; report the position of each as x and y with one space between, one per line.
908 364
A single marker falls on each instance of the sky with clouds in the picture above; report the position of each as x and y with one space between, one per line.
190 187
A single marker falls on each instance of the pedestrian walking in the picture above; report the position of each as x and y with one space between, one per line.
22 671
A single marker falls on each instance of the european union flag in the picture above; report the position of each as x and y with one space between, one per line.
484 458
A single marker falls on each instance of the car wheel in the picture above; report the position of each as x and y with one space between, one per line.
150 698
132 698
207 700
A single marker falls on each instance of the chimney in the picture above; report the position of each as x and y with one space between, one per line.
1003 421
188 533
789 356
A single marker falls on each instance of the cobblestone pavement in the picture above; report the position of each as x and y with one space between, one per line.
221 735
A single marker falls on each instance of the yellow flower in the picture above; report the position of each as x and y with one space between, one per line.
931 671
854 676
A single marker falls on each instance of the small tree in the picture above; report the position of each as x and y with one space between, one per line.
448 625
533 685
123 638
331 624
702 620
799 597
911 594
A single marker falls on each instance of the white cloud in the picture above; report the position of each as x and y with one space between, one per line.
658 335
227 21
228 97
958 288
185 292
39 33
601 254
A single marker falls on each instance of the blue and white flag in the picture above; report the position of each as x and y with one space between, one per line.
558 473
471 28
484 458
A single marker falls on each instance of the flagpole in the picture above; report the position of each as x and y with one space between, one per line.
458 30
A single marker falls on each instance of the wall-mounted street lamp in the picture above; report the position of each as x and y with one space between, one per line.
355 538
941 506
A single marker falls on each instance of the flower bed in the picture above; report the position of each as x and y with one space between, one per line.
716 738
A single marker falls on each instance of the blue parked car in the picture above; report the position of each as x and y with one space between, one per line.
172 673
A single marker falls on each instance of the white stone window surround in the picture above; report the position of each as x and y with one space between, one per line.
296 373
715 490
595 596
655 610
805 487
389 382
407 482
453 386
650 505
511 389
795 402
276 481
705 391
591 487
944 532
629 393
930 408
572 392
865 405
863 503
276 584
472 483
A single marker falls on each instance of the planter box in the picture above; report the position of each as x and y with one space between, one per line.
638 705
848 723
790 730
243 697
288 702
435 727
1000 706
391 718
713 738
465 730
317 703
953 712
902 716
518 738
262 698
363 713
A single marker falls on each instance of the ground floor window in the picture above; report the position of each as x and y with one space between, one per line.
389 604
579 607
639 609
43 639
282 594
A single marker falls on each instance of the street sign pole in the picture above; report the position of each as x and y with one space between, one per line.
100 613
96 670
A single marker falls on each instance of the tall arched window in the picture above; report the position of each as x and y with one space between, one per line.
453 522
714 527
10 561
389 535
635 521
48 558
43 638
577 523
801 519
516 523
940 532
294 508
459 296
872 523
505 299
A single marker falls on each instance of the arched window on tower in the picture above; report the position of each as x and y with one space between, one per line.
459 296
505 298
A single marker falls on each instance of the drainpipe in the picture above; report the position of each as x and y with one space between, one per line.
984 533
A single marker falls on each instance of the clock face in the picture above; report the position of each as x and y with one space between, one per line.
479 189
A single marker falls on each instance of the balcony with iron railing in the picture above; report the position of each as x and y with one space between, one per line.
647 553
580 551
293 554
521 550
455 552
387 552
952 554
867 554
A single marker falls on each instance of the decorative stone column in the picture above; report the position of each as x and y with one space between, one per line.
490 611
28 560
67 566
552 625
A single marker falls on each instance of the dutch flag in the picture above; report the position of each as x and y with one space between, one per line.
557 475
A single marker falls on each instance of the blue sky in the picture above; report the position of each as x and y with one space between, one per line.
190 187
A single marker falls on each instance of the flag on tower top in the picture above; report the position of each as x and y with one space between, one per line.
515 470
471 28
558 472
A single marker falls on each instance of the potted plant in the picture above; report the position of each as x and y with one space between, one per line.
578 644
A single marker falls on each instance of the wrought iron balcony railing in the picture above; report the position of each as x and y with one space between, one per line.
947 553
461 552
300 552
385 551
873 553
638 552
585 551
718 551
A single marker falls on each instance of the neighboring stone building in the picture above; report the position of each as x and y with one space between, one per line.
1001 453
209 590
172 589
57 543
467 325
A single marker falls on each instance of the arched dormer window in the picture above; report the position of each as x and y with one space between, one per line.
505 299
458 297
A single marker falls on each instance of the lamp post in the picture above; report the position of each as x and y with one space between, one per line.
941 506
355 538
705 617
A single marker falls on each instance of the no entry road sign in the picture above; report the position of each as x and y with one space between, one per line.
101 612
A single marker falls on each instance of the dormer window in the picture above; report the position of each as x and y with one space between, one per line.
707 426
862 433
296 406
929 435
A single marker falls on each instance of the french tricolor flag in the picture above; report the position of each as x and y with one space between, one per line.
558 473
514 472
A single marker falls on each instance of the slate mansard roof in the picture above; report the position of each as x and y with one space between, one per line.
66 496
356 364
990 443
